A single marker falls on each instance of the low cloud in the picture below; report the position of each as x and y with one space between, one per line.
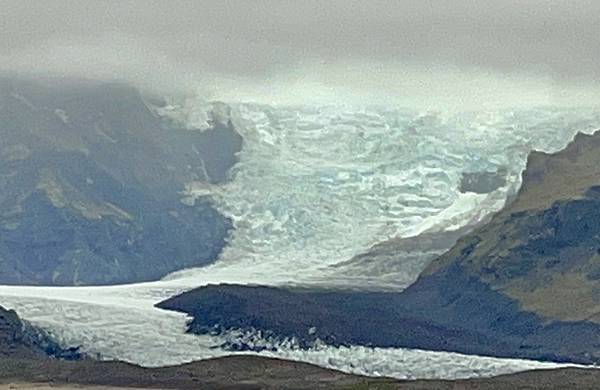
427 53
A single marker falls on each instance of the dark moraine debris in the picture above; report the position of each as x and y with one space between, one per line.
523 285
91 183
445 312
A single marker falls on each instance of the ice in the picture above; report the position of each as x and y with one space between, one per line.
314 187
120 323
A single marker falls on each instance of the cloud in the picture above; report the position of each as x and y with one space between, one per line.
435 52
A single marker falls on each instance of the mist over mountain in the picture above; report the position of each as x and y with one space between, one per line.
406 189
423 54
92 184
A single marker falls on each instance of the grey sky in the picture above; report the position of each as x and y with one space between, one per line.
323 50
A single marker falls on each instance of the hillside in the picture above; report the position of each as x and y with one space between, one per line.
91 182
254 373
543 250
19 340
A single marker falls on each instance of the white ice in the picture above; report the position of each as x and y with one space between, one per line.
314 187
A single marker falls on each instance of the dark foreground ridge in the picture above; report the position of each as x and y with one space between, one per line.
91 183
523 285
236 372
254 373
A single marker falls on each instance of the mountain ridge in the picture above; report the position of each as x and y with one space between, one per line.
91 184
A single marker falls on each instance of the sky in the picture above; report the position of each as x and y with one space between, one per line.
454 53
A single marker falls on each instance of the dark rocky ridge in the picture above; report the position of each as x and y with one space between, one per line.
19 340
483 182
446 312
91 182
523 285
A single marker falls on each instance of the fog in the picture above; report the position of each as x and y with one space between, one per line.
424 53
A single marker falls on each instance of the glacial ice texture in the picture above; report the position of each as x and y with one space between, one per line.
317 186
314 187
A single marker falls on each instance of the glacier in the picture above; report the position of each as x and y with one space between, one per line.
314 187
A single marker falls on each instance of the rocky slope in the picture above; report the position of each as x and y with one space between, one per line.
523 285
543 249
91 182
21 340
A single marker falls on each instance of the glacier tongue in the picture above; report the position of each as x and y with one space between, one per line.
316 186
111 323
313 188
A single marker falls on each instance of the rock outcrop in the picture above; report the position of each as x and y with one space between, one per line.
19 340
483 182
523 285
91 184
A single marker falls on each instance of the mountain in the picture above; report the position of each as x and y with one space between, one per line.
525 284
91 185
543 250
